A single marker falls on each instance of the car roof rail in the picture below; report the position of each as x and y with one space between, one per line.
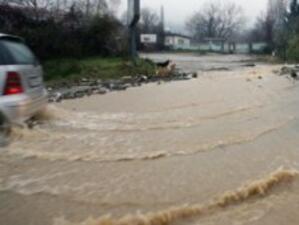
11 37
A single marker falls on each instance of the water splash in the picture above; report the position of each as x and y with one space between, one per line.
256 189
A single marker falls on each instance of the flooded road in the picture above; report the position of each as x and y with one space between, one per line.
220 149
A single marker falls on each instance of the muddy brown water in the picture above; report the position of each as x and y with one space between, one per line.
220 149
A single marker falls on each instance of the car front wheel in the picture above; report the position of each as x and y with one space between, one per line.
5 130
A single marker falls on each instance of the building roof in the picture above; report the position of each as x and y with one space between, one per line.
215 39
177 35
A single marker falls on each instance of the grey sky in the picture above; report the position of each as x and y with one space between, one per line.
177 11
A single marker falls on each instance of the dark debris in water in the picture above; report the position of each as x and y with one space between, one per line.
291 72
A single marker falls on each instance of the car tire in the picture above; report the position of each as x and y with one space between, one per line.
5 130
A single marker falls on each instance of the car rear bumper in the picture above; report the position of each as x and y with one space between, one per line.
24 107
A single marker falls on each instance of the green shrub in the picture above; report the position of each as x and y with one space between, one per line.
96 67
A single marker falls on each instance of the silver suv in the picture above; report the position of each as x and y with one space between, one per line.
22 92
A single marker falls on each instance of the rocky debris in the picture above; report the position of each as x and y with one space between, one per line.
32 123
290 71
70 93
99 90
142 79
127 80
276 71
218 69
184 76
249 65
115 85
285 70
89 86
294 75
55 96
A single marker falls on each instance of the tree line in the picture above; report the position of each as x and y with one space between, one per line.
278 26
65 28
79 28
216 19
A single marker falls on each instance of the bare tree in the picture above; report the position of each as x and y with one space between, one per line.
277 11
37 7
216 19
149 20
42 4
113 6
274 24
88 7
91 7
276 14
260 30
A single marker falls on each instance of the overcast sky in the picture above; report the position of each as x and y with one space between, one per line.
177 11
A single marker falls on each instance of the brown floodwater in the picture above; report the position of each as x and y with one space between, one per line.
220 149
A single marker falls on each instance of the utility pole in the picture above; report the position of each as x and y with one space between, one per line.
162 29
133 19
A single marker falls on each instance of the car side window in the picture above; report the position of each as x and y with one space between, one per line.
20 53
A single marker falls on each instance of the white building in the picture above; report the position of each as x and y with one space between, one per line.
148 38
177 41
